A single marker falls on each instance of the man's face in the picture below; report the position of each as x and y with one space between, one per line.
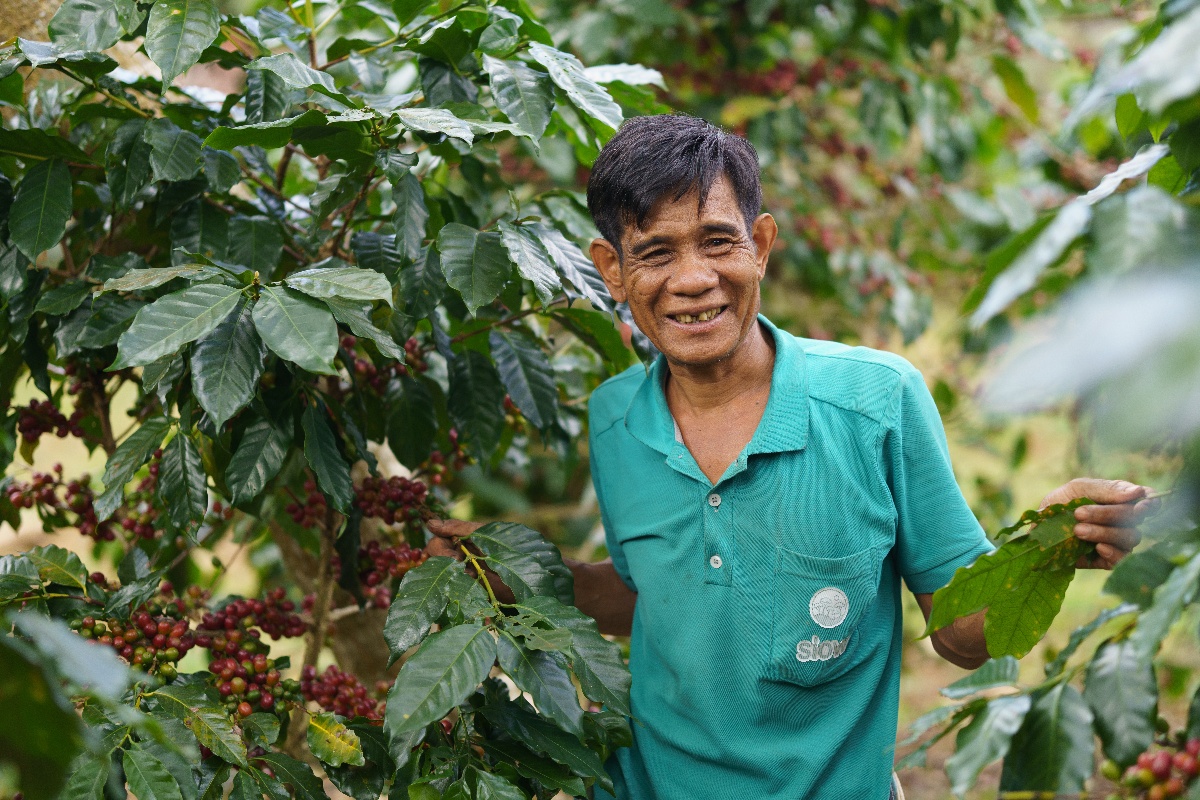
691 275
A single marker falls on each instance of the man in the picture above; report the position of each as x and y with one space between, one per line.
762 498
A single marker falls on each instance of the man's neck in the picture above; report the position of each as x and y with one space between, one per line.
745 373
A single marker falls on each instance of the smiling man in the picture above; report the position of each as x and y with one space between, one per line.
763 498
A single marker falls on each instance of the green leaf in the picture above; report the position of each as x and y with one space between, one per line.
596 330
1129 116
411 215
1055 667
221 170
542 737
88 24
1016 86
75 659
596 662
993 674
297 774
126 460
1169 601
1022 586
1185 146
202 713
128 163
43 733
628 74
550 774
435 120
255 243
41 208
170 322
183 481
35 144
138 279
524 95
444 672
258 458
476 401
412 420
588 96
227 365
985 739
475 263
345 283
245 787
502 36
148 778
368 781
178 32
63 299
544 675
422 284
88 775
270 134
1052 751
261 729
527 376
532 260
357 317
110 318
174 152
1121 690
576 268
325 457
527 563
395 163
420 599
297 74
332 742
297 328
493 787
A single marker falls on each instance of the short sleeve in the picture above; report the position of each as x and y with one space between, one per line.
936 532
610 539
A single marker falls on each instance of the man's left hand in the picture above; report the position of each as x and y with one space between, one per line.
1112 522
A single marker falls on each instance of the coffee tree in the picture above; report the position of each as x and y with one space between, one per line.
1124 340
296 310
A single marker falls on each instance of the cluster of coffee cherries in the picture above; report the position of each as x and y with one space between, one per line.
55 497
393 500
379 566
342 693
245 675
153 639
310 511
440 463
414 356
1159 773
365 370
41 416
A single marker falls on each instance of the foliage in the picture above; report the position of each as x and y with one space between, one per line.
348 258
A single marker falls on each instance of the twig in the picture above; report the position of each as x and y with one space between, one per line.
284 161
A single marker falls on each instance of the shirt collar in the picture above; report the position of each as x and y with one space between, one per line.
784 424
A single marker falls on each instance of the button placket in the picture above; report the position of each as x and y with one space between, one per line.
718 540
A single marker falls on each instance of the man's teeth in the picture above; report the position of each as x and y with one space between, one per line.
703 316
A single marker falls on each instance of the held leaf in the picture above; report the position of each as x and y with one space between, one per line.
332 742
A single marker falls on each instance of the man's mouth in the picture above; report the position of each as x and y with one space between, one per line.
703 316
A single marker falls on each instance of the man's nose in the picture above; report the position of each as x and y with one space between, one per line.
692 276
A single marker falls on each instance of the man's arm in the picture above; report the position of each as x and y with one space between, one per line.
1111 523
599 591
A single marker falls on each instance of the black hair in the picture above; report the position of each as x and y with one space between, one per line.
652 157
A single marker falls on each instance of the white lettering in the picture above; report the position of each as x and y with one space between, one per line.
816 650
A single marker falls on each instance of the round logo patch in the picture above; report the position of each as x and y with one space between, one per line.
829 607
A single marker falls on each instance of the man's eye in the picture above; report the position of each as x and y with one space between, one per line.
719 241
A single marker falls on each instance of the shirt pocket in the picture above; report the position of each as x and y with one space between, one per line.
818 605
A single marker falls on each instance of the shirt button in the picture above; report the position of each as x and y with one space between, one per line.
714 500
715 562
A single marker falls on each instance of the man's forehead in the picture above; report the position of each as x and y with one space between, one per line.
720 211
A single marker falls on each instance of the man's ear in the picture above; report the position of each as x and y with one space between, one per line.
605 257
764 232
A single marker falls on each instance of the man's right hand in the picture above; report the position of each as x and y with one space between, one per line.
445 532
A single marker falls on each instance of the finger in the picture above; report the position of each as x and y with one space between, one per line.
1123 539
1110 555
443 547
1105 491
1119 515
450 528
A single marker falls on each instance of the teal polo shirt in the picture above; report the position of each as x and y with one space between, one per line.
766 638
